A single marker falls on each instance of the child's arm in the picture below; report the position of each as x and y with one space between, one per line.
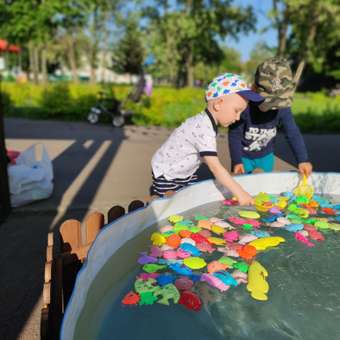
223 176
295 141
235 146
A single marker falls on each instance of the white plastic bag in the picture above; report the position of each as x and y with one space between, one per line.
31 178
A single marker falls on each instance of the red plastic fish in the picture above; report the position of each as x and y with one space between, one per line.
131 298
190 300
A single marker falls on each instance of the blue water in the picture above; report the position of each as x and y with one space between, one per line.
304 300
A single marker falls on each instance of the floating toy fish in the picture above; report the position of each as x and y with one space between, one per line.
168 292
190 249
144 259
175 218
226 278
180 269
266 242
194 262
231 236
216 240
257 284
158 239
190 300
303 239
184 283
153 267
216 266
131 298
214 282
173 241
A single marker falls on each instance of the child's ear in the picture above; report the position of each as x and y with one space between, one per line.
217 104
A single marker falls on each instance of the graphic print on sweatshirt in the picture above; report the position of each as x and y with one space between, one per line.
259 137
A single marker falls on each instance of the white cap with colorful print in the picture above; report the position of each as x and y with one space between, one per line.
229 83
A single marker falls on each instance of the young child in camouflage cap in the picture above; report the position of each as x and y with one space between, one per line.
175 163
251 140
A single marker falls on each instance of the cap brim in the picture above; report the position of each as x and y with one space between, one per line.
251 95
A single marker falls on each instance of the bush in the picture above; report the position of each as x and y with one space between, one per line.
57 101
6 102
314 112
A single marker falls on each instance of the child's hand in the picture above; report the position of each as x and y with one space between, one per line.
245 199
305 168
239 169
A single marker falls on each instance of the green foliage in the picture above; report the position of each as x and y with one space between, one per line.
190 33
129 53
314 112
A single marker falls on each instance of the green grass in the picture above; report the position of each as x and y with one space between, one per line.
314 112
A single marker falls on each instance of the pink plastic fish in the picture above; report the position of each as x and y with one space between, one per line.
214 282
254 223
239 276
182 254
237 220
228 252
205 247
170 254
313 233
147 276
155 251
246 238
205 233
231 236
299 237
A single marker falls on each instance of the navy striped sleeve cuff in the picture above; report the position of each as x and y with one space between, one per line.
208 153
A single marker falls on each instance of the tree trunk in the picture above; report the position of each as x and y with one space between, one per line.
71 56
33 61
282 27
190 69
305 47
36 64
44 65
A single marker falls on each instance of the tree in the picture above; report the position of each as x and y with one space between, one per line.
231 62
314 27
258 54
128 54
189 33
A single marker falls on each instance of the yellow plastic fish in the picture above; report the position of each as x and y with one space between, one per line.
175 218
257 284
216 240
217 229
158 239
266 242
194 262
249 214
304 189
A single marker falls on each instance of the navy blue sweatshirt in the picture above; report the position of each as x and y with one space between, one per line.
253 136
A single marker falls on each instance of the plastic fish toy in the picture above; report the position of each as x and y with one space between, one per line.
257 283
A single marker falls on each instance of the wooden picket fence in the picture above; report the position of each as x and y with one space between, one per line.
64 258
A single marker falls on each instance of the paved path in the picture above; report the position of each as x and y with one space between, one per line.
95 167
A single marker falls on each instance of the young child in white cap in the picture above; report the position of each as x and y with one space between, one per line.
175 163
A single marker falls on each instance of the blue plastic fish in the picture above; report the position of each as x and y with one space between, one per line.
294 227
269 219
260 233
179 269
226 278
190 249
164 279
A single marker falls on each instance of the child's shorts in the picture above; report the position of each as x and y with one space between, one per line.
265 163
161 185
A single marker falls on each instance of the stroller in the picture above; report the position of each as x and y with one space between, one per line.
110 106
113 107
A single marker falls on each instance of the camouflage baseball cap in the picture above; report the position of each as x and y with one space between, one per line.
274 82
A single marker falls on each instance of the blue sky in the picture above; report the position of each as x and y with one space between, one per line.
245 43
